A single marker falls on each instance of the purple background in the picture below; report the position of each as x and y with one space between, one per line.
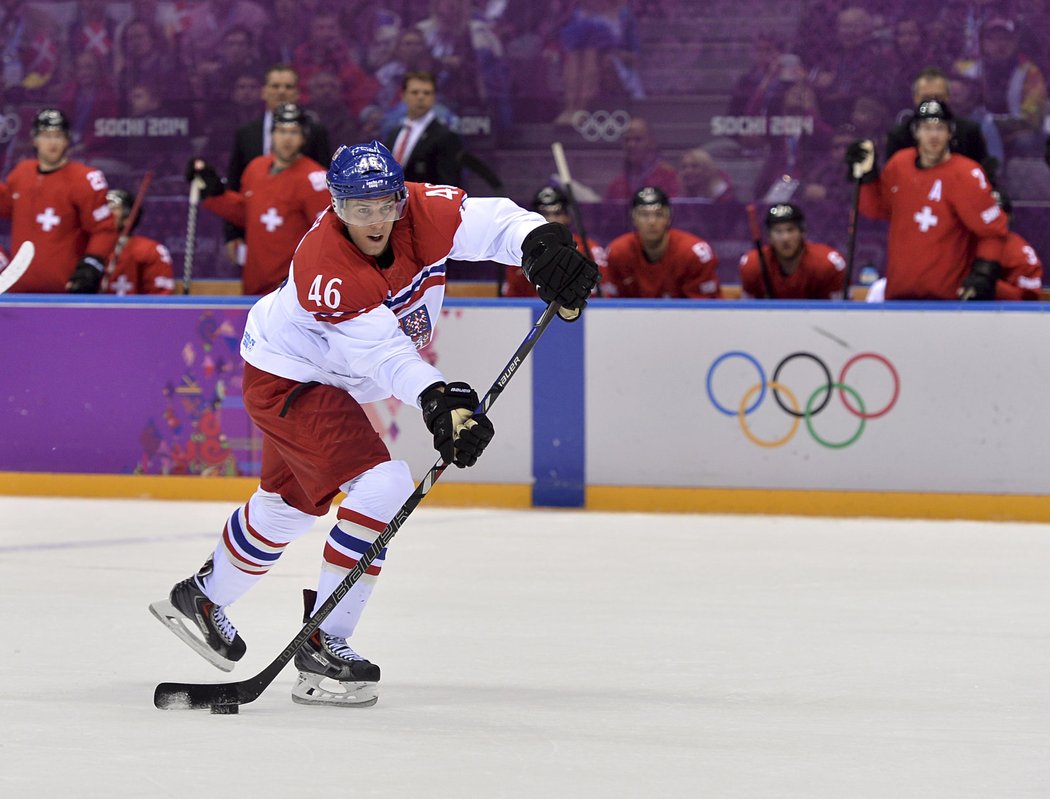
86 390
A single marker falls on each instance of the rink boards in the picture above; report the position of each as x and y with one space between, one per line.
932 410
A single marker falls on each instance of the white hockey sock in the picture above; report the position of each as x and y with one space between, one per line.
371 501
252 541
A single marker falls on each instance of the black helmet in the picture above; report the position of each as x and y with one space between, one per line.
649 196
125 200
785 212
1002 199
933 109
50 119
289 114
550 198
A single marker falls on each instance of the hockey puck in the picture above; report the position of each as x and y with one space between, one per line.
225 710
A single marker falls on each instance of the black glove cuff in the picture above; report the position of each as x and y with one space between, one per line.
538 240
94 262
988 269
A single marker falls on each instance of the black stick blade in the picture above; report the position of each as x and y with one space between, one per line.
188 696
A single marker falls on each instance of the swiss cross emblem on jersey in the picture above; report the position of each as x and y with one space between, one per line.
271 219
48 219
416 325
925 219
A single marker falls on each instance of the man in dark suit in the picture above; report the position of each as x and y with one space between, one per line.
252 140
428 151
932 84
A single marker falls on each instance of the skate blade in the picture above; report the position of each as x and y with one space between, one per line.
313 689
168 615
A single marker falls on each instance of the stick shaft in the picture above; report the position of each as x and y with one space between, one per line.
756 235
851 237
191 234
562 165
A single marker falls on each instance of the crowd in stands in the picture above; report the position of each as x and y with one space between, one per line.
147 84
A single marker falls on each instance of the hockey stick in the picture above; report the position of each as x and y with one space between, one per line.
133 215
18 266
562 165
756 235
851 236
191 233
198 697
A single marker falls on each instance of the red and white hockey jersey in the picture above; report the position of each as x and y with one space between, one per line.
1022 276
64 213
344 321
688 268
820 274
275 211
940 220
144 267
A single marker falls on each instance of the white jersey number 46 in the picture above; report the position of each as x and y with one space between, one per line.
331 296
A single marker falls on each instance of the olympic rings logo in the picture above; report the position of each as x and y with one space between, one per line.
9 127
815 403
601 125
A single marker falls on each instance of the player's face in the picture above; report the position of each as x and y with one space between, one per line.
369 222
555 213
931 138
51 146
287 142
419 96
786 240
651 223
119 213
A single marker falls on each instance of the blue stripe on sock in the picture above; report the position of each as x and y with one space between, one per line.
242 541
347 541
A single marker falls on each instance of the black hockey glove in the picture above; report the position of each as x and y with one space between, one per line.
860 158
213 186
87 277
559 272
1046 152
460 435
980 283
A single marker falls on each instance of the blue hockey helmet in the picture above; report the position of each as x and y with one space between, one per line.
361 175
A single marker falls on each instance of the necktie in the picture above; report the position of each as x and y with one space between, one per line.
399 153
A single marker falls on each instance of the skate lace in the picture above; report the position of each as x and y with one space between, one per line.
225 628
339 647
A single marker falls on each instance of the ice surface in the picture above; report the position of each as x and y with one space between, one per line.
543 653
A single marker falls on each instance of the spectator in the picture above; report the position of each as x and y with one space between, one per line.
1012 87
967 139
90 96
252 140
600 45
236 54
281 195
372 32
242 106
657 260
822 178
142 56
643 165
850 66
553 205
325 49
469 64
701 178
946 233
410 55
965 97
139 264
1022 275
93 31
760 88
427 150
870 116
909 55
60 206
791 154
281 39
796 269
326 101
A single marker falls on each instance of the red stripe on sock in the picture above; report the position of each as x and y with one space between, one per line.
337 558
255 533
236 556
374 525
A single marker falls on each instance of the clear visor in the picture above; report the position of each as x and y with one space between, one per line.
363 213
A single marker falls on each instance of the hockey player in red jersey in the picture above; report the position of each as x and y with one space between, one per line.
139 264
798 269
281 194
657 260
60 206
363 294
1022 275
946 233
553 205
